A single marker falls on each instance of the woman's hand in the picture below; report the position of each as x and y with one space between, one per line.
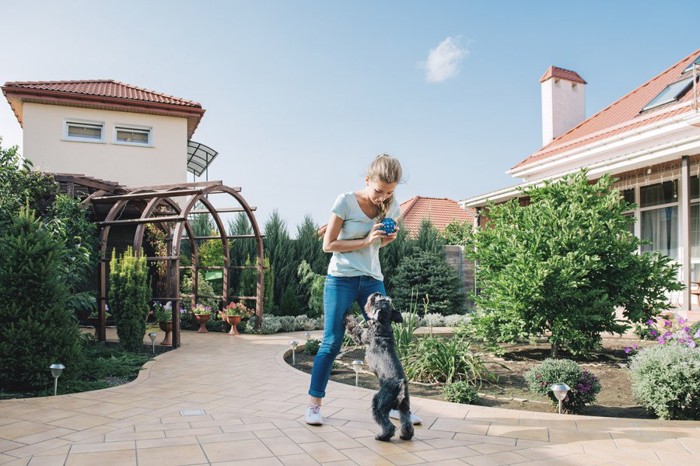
389 237
376 233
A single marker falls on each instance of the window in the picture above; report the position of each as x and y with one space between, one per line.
659 217
671 93
84 131
692 65
129 135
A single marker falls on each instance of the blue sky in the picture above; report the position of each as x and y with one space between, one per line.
301 95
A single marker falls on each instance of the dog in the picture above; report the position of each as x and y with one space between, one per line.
381 357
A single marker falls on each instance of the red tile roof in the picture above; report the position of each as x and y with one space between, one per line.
440 211
104 94
620 116
561 73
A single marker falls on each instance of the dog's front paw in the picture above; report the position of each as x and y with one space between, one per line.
353 328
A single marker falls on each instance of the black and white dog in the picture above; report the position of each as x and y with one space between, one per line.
381 357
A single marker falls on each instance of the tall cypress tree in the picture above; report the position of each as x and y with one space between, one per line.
280 249
241 250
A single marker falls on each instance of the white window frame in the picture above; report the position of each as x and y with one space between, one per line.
80 122
136 128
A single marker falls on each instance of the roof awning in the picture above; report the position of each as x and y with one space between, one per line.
199 157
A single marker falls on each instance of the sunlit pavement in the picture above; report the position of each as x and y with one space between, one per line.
224 400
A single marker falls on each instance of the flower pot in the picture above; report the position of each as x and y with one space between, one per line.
167 327
233 320
202 319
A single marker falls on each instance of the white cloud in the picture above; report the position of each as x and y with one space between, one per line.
443 60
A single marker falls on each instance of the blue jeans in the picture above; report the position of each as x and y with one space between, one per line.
338 296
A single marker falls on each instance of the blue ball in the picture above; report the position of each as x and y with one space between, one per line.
388 225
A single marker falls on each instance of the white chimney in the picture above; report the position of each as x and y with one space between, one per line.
563 102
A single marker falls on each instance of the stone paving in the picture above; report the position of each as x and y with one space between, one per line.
232 400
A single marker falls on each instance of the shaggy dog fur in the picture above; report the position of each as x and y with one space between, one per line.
382 359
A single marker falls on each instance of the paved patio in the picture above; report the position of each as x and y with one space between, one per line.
227 400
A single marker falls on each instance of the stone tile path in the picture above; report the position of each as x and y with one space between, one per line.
232 400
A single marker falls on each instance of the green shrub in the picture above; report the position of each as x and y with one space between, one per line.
311 347
433 319
584 386
288 323
460 392
427 274
304 322
443 360
455 320
666 380
36 327
129 296
270 325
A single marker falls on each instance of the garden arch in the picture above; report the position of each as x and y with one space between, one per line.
127 212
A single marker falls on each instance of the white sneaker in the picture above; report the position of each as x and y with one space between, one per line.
313 415
415 420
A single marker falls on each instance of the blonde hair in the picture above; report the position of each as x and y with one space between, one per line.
388 170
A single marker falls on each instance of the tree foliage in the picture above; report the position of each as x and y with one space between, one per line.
563 264
36 327
20 186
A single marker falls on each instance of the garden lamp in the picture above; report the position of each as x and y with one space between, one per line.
356 366
293 344
152 336
560 390
56 370
307 335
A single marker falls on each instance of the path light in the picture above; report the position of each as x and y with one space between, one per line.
560 390
56 370
293 344
357 366
307 335
152 336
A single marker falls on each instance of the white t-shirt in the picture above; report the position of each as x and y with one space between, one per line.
356 225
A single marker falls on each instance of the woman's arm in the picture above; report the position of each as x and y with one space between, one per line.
331 243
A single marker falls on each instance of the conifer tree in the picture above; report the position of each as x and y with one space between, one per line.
36 327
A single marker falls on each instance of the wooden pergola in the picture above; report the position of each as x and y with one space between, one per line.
124 212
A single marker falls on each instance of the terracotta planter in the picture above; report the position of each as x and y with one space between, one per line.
233 320
167 327
202 319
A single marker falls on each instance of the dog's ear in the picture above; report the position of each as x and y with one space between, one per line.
396 316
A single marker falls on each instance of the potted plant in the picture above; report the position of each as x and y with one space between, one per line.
202 313
233 313
164 316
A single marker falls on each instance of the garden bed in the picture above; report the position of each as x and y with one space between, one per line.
511 390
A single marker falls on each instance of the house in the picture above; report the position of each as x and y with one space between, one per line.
649 140
108 130
440 212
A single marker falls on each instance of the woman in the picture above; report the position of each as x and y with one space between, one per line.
354 236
